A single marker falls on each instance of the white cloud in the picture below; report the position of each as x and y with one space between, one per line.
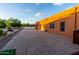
67 8
38 14
28 10
58 4
31 20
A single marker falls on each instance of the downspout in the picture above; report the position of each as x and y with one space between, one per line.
75 18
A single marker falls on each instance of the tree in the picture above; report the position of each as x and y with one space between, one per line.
15 22
23 24
2 23
8 24
28 24
11 22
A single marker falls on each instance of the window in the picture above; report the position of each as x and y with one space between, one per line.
62 26
52 25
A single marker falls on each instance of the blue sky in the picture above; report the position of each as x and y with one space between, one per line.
31 12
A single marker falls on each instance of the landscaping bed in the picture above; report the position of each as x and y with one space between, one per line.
9 33
5 39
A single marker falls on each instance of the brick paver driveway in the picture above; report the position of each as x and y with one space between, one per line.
39 42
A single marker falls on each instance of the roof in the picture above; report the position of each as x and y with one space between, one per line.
59 15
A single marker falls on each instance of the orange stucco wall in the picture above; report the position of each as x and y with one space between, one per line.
68 16
40 27
77 22
69 26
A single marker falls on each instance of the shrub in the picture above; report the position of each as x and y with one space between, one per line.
4 33
1 32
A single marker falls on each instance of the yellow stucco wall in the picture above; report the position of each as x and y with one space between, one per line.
42 27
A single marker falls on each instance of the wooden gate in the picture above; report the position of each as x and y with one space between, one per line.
76 36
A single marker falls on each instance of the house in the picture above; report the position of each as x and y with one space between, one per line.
63 23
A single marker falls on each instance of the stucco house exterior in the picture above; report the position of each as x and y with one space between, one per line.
62 23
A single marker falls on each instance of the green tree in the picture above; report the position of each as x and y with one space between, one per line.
2 23
28 24
15 22
8 24
23 24
11 22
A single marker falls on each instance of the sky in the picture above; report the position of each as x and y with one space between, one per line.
31 12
